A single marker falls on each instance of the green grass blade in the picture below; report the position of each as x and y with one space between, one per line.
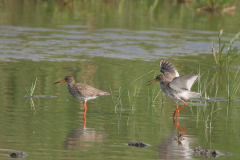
27 91
232 41
33 87
124 89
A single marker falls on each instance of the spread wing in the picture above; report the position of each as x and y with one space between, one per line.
168 70
183 82
166 66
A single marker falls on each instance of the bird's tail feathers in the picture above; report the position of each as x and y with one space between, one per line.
195 95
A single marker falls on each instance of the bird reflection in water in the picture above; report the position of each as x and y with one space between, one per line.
179 137
177 145
79 138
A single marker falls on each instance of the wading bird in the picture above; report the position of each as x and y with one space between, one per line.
82 92
178 88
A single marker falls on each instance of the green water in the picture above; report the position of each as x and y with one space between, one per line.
108 45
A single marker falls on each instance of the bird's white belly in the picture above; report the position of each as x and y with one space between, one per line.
184 95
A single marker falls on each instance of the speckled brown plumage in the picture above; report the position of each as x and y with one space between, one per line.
81 91
178 88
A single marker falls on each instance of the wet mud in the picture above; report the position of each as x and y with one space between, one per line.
138 144
208 153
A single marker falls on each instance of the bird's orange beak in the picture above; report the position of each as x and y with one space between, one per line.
152 81
60 81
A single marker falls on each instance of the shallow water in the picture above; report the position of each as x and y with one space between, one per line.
63 41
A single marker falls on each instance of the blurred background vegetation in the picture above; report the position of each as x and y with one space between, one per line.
131 14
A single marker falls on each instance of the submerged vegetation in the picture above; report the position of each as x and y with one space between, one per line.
30 94
232 85
124 89
134 97
222 59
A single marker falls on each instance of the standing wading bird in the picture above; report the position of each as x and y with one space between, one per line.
178 88
82 92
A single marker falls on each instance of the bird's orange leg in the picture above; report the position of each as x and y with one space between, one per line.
183 105
85 107
177 110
